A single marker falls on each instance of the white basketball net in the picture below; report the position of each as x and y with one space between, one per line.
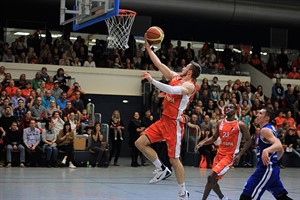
119 27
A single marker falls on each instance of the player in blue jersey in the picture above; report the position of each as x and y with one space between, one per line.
269 151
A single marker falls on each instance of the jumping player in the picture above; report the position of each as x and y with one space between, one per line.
170 127
269 151
231 132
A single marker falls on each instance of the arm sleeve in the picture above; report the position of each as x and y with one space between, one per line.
167 88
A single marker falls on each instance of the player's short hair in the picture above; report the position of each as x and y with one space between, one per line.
196 69
271 114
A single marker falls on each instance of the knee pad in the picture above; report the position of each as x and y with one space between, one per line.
245 197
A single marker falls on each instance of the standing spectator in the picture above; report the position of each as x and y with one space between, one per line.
278 92
134 128
290 98
116 129
296 107
32 139
14 141
282 60
62 78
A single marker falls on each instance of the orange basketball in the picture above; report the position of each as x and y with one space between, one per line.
155 35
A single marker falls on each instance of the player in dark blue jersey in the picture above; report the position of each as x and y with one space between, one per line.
269 151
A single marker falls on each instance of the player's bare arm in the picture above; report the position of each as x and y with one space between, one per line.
246 138
210 140
168 74
268 136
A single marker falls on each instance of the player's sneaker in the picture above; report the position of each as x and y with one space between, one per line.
169 173
160 175
184 196
225 198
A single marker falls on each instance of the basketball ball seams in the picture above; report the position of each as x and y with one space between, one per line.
155 35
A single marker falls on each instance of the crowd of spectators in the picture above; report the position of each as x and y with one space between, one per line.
47 97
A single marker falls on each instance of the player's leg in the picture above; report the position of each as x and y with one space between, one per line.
211 182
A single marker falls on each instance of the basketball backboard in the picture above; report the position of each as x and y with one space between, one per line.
87 12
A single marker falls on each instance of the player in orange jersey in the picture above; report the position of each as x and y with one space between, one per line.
231 132
169 127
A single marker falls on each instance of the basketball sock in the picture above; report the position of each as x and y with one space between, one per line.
181 188
158 164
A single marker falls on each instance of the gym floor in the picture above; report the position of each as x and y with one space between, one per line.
123 183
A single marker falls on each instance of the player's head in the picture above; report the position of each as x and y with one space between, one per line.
230 109
195 69
265 115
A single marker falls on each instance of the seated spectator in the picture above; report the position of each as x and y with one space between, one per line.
21 83
32 139
38 111
25 121
62 78
66 144
279 119
20 110
36 82
69 108
72 91
291 141
49 139
293 74
89 62
26 91
47 98
256 62
62 101
289 119
15 99
44 74
56 91
41 90
11 89
280 74
75 123
117 63
99 146
64 60
14 141
77 102
53 108
7 118
58 122
84 118
50 83
6 80
75 62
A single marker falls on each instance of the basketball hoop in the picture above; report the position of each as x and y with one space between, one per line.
119 27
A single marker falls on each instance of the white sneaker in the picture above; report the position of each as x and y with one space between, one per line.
64 161
8 165
160 175
71 165
184 196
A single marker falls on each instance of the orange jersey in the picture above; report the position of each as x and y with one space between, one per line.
174 104
230 135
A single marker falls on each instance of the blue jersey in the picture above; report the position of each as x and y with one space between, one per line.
265 177
261 145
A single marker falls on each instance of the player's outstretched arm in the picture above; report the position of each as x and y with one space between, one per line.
168 74
210 140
